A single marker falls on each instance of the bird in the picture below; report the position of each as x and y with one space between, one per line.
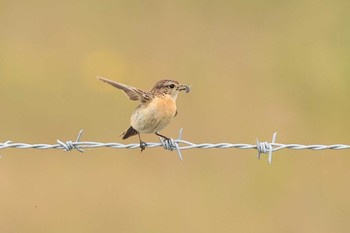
156 108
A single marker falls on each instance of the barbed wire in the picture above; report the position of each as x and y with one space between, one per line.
175 144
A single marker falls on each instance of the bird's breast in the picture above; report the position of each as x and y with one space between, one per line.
154 115
165 106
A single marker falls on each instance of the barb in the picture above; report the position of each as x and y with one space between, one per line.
69 145
265 147
171 144
176 144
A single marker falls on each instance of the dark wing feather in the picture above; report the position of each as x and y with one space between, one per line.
132 92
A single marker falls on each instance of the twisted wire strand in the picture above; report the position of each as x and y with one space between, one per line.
175 144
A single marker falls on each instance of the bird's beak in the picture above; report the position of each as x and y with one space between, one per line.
184 88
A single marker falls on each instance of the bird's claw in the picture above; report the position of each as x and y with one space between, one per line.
143 146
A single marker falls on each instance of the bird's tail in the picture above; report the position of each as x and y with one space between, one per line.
130 132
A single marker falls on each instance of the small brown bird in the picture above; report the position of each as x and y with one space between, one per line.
157 107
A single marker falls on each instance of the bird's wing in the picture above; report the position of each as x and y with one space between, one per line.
132 92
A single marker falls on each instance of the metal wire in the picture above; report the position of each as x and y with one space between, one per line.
175 144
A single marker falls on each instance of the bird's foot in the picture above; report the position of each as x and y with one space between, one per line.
143 145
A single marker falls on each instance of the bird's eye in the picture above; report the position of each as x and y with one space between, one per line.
171 86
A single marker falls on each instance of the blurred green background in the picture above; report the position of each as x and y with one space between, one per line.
255 67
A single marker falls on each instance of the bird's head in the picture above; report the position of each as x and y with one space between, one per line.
169 87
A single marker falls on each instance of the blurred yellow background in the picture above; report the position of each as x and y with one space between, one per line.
255 67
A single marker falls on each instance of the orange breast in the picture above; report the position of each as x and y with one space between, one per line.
166 107
155 116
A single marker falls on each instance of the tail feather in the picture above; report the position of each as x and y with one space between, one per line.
130 132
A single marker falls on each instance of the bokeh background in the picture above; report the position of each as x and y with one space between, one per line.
255 67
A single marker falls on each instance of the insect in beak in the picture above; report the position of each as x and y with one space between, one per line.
184 88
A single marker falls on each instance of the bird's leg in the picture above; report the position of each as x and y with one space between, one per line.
166 138
167 143
142 143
